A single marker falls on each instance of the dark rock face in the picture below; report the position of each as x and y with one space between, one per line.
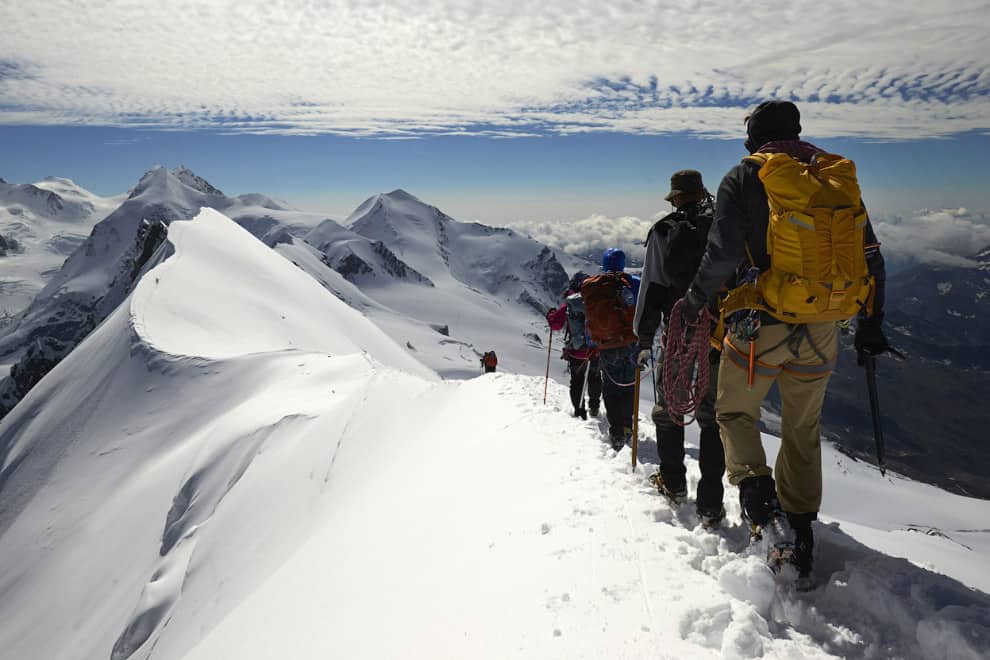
74 318
547 271
528 299
40 358
398 268
352 266
8 246
197 182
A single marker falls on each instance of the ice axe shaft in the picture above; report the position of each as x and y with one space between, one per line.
547 380
871 384
584 383
635 419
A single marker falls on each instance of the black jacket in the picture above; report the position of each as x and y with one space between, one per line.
658 291
742 217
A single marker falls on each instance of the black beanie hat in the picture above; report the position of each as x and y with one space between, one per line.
772 120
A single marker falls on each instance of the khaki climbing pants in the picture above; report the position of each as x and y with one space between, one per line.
800 359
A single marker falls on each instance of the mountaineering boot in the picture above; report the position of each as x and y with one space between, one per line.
804 546
758 501
761 509
581 412
780 542
617 439
593 409
674 494
711 518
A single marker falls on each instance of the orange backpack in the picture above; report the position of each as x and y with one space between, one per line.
608 311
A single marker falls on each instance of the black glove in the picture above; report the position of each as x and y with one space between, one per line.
869 339
693 302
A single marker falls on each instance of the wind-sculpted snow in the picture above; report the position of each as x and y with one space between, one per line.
554 548
205 301
199 421
103 269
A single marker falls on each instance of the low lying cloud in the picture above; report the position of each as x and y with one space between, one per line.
946 237
591 236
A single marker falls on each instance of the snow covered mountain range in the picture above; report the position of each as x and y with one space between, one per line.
489 284
40 225
237 463
101 267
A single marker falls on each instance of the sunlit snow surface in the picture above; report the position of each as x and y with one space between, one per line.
237 464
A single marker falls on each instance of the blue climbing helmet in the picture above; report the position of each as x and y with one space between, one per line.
614 260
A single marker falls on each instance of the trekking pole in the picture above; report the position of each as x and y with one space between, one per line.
653 363
547 380
871 384
635 419
584 384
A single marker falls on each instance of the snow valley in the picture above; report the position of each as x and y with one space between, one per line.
235 451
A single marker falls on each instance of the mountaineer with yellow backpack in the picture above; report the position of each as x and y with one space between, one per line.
793 243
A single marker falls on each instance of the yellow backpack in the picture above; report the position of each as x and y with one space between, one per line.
818 268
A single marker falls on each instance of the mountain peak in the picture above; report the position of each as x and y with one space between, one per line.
160 177
62 180
186 176
401 195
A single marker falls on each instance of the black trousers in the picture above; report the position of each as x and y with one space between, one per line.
618 372
670 444
578 368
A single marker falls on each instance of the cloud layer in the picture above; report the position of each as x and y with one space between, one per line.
591 236
947 237
887 70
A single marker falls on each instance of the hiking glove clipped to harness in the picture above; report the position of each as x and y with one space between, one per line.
694 302
869 339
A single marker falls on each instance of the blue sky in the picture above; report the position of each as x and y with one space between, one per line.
491 180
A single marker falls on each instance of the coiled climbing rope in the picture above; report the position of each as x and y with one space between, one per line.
686 369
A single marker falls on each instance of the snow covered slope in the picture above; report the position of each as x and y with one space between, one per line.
101 271
227 367
40 225
236 464
480 288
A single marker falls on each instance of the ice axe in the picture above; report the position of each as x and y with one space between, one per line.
547 379
870 362
635 419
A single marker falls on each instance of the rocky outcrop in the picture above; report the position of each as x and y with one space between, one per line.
73 317
8 246
398 268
